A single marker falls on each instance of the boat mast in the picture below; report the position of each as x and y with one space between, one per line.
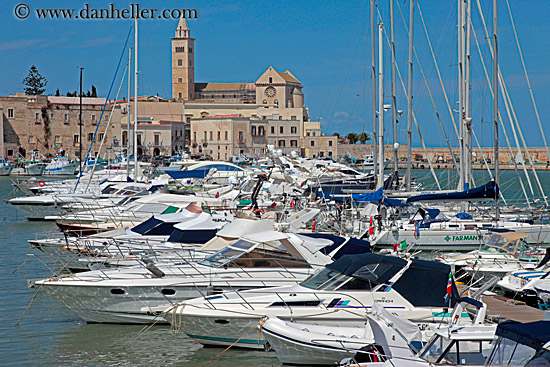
136 170
467 103
393 98
495 104
409 100
80 126
461 183
373 78
128 109
381 105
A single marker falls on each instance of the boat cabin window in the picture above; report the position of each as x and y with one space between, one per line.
222 257
509 352
457 352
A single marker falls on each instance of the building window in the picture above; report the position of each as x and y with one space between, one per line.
57 139
270 80
241 137
75 139
90 136
312 143
281 143
293 118
307 133
253 130
276 102
219 135
190 50
101 135
180 95
211 134
205 136
330 143
180 62
10 112
293 129
273 129
180 80
194 136
264 101
93 120
313 133
10 152
66 118
293 143
261 131
281 129
226 137
37 116
31 139
157 139
180 49
51 116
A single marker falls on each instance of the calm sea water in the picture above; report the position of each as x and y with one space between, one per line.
50 335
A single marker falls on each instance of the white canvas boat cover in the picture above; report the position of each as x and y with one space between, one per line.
406 328
238 228
202 221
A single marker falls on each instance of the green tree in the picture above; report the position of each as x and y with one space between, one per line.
94 91
57 94
352 137
363 137
337 135
35 82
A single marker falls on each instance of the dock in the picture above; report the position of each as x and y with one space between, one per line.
500 308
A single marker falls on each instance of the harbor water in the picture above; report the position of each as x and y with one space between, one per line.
47 334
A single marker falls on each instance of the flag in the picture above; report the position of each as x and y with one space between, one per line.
416 229
371 227
450 284
403 245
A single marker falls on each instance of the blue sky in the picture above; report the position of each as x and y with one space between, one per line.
324 43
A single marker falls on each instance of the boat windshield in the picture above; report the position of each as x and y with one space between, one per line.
499 244
456 352
542 358
326 279
508 352
228 254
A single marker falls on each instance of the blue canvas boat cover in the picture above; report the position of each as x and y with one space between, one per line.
533 334
371 196
487 191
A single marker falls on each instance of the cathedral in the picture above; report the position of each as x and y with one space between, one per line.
273 105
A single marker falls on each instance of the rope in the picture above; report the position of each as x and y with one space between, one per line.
145 328
29 305
260 323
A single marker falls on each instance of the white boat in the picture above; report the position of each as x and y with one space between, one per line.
61 165
5 167
139 294
340 294
502 253
28 168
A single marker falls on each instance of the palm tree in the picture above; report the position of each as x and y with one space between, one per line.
363 137
352 137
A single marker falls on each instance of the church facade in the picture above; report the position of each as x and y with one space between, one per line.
276 98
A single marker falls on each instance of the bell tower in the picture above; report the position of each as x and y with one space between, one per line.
183 63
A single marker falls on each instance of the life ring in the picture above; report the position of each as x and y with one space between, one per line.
41 183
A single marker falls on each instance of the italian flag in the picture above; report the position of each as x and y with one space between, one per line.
450 284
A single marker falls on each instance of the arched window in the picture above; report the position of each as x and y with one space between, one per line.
276 102
264 101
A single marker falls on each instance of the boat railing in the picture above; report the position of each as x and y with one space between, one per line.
320 298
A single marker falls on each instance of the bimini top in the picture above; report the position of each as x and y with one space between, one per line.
423 283
371 267
533 334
